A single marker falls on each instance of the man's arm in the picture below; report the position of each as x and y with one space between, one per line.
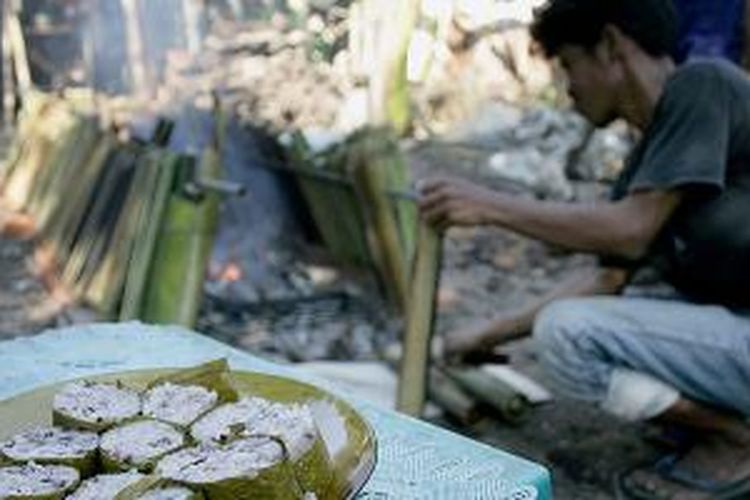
519 324
623 229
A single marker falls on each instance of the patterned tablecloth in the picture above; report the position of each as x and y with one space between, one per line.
415 460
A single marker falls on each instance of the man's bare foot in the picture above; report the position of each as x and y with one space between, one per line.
715 463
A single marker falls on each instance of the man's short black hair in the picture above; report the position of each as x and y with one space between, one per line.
652 24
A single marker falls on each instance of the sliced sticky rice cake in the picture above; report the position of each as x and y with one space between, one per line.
52 445
106 486
246 469
94 406
178 404
37 482
171 493
292 423
139 445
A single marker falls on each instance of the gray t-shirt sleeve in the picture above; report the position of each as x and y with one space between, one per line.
687 144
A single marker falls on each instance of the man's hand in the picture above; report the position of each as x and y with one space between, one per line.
446 203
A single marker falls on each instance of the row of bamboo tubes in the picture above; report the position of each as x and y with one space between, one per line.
112 216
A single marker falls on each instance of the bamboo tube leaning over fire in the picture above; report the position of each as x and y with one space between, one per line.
66 174
105 290
351 237
29 122
370 163
145 246
92 238
61 229
420 318
183 250
181 256
38 151
63 145
332 204
508 403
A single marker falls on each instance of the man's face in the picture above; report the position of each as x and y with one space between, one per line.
590 82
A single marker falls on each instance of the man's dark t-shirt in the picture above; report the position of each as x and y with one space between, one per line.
699 143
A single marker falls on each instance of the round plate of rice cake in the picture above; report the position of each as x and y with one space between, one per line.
348 437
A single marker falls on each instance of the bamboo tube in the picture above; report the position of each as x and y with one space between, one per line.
92 238
184 248
64 223
509 404
106 288
180 261
334 207
151 223
448 395
412 387
29 122
44 141
68 173
369 170
406 210
49 185
398 101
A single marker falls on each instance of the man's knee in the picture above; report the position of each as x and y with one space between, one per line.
560 323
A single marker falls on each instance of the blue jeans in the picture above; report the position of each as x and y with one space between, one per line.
636 357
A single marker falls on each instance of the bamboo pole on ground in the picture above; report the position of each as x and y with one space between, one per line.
449 396
412 387
508 403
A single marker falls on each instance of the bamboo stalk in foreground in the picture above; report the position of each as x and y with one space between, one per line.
412 387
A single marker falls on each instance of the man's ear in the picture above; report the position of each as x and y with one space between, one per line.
614 42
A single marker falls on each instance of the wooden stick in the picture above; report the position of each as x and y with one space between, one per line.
412 387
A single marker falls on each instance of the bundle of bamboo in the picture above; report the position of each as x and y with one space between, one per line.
350 193
107 211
